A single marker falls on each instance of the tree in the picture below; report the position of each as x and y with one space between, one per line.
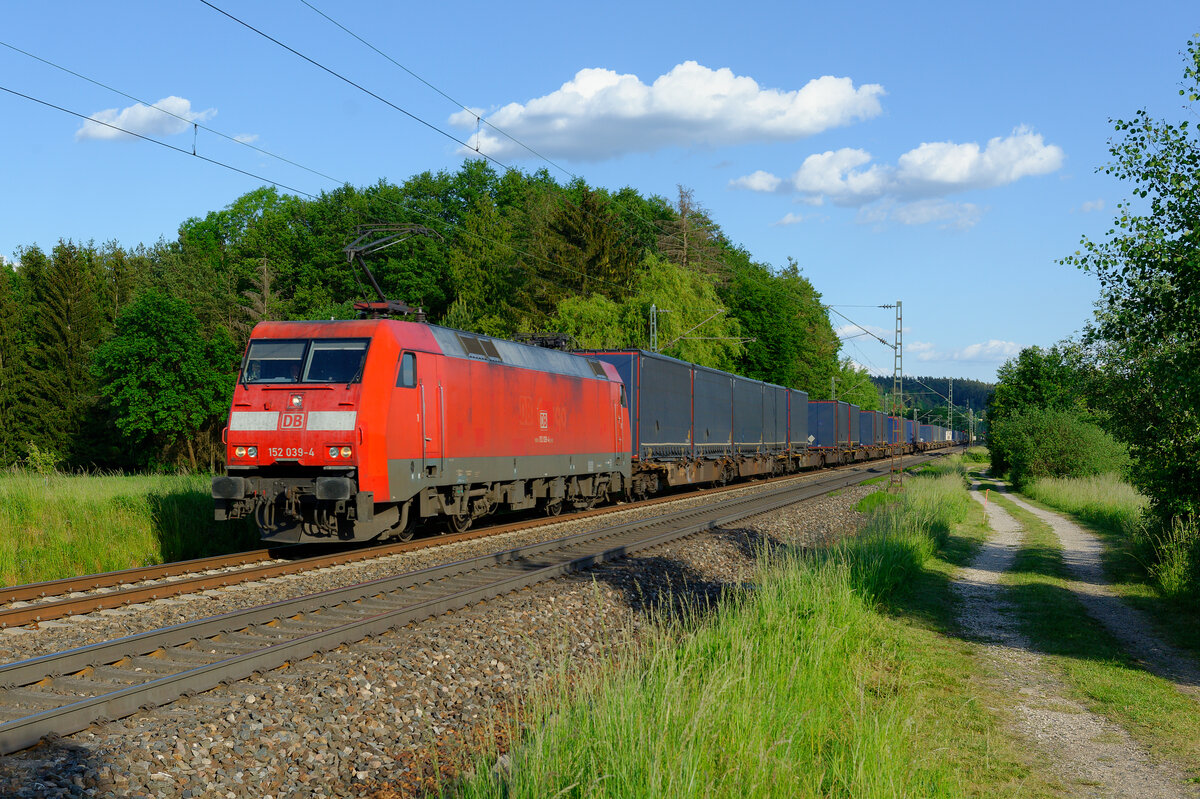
163 381
1054 442
10 367
1055 378
793 342
1147 329
66 317
854 385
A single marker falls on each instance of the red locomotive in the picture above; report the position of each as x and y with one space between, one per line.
352 430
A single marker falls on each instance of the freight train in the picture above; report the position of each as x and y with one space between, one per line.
355 430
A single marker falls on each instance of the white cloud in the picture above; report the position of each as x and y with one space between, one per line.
849 331
1092 205
246 138
948 215
144 120
790 219
757 181
990 351
873 371
909 191
602 114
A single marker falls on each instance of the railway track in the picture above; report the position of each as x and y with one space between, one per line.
68 691
46 601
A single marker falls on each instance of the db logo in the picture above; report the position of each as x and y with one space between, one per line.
544 419
291 421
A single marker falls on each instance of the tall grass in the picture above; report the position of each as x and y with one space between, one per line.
58 525
1104 500
793 686
1169 555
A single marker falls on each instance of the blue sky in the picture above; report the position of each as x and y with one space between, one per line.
943 154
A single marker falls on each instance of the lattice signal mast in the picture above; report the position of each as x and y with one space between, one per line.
896 476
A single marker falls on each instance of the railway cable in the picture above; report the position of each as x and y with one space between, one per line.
507 167
369 198
480 119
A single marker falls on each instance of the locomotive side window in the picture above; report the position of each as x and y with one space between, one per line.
407 378
624 403
274 361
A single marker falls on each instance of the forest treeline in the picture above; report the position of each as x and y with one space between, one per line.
124 358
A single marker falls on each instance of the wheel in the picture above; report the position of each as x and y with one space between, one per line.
554 507
458 524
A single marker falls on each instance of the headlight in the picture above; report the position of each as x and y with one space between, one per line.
333 452
345 452
239 452
252 452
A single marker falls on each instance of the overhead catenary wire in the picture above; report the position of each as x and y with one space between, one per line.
480 120
182 150
168 112
302 192
431 126
478 117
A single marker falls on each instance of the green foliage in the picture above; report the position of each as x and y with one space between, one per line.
1039 442
793 341
498 253
1054 379
163 381
1145 330
41 461
854 385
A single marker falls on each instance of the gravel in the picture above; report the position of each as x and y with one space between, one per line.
372 718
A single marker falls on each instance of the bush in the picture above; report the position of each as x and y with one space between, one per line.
1039 442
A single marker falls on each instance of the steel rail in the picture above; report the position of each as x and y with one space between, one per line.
121 597
32 682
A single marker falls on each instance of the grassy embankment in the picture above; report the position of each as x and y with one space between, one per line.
54 526
1094 665
831 675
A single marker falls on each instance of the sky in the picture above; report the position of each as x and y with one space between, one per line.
940 154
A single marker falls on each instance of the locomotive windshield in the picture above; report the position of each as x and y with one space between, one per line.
338 360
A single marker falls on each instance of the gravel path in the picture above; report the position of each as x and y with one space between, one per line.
1082 554
372 718
1096 756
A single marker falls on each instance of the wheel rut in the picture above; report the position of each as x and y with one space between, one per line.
1082 555
1094 756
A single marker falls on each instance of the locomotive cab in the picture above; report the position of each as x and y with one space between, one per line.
294 443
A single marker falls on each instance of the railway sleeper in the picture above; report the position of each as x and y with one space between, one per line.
31 696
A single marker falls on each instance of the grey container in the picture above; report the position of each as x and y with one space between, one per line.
798 420
854 414
776 437
712 407
747 415
659 390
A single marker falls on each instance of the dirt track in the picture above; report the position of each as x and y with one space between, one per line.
1094 756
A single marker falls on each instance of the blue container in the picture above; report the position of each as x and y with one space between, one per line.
866 428
825 429
798 420
854 414
712 408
